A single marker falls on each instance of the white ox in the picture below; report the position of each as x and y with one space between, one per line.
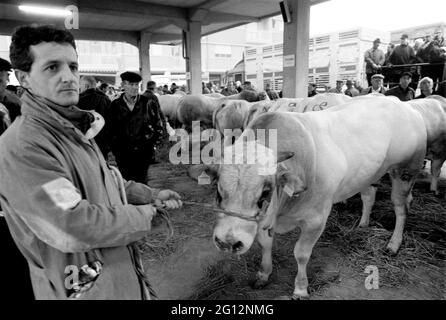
433 111
169 106
316 103
201 107
323 158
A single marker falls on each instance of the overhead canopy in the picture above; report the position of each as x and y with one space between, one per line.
120 20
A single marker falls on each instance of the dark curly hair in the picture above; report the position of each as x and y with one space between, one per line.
30 35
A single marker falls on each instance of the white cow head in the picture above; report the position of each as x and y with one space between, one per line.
243 188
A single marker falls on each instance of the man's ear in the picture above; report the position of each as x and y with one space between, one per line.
291 183
22 77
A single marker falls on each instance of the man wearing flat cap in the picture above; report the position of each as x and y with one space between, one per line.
134 128
403 91
374 59
339 87
377 85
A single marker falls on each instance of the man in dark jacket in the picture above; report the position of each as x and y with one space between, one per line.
403 91
135 129
10 101
404 54
92 98
154 105
20 287
312 90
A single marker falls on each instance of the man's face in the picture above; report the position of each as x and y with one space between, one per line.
54 73
426 88
4 80
231 86
310 88
375 45
404 41
377 83
152 88
405 81
130 88
339 85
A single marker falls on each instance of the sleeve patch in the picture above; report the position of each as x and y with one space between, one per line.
63 193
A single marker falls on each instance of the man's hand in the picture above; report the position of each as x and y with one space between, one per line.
168 198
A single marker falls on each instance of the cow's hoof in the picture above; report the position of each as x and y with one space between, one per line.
259 283
391 251
298 297
363 225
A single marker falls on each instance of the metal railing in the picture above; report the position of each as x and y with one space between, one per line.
392 72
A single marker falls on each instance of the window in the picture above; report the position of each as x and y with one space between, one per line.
324 39
319 70
251 52
348 35
267 49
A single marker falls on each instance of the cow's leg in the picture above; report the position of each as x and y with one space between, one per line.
368 200
435 171
311 230
265 238
402 183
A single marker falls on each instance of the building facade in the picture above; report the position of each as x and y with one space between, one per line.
338 55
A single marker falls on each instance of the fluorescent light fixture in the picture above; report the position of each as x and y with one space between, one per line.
47 11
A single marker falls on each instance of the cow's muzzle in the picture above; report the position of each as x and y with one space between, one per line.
230 245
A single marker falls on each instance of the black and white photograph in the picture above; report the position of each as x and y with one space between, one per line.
228 158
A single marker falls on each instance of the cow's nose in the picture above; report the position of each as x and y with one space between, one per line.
229 245
222 245
236 247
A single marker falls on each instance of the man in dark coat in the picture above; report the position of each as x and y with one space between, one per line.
134 129
403 91
91 98
154 105
10 101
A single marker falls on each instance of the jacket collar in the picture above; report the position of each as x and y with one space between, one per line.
62 117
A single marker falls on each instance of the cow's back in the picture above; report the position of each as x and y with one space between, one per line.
367 137
196 108
169 105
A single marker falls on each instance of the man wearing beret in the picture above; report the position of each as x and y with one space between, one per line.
377 85
134 129
403 91
374 59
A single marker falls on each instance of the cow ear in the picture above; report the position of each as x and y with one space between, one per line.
291 183
284 155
